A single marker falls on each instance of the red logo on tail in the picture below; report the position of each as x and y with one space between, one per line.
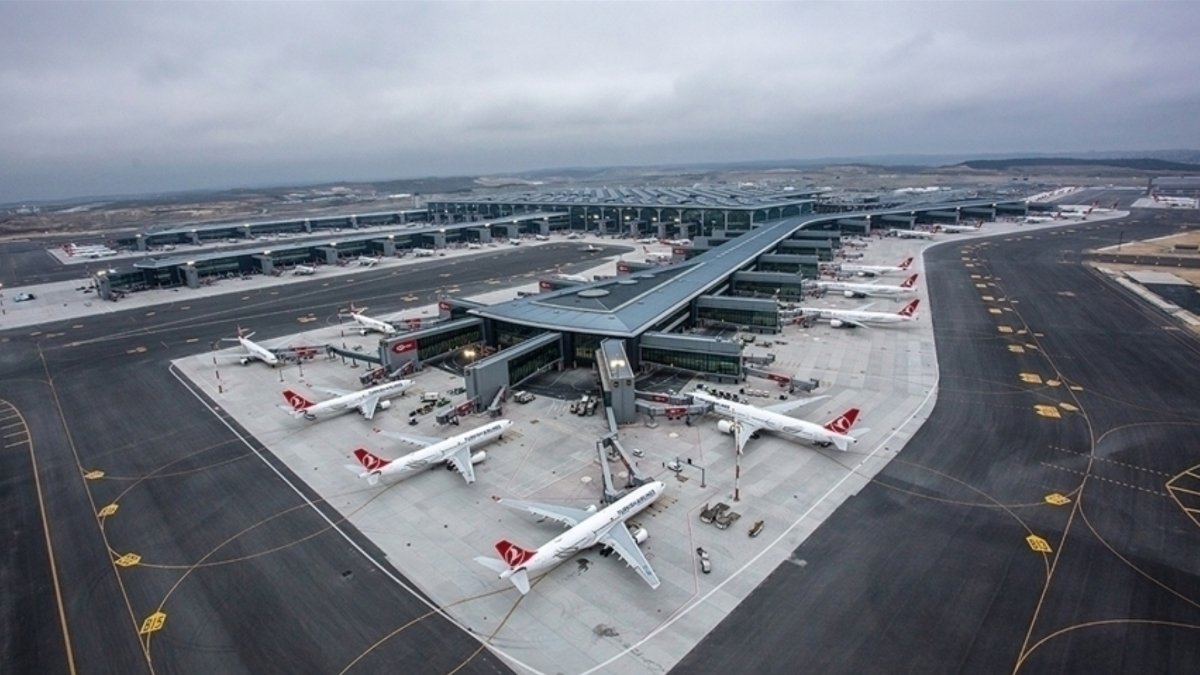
910 309
904 265
514 556
909 282
843 423
369 461
295 400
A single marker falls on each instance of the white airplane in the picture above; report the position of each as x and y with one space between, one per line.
474 244
875 270
559 274
515 242
678 242
423 252
304 270
541 237
455 451
961 229
366 402
647 240
1040 219
746 420
860 318
367 324
852 290
586 529
1175 202
254 351
367 261
910 234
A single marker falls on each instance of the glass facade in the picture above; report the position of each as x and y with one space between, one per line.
443 343
521 367
720 364
509 334
585 349
767 288
740 317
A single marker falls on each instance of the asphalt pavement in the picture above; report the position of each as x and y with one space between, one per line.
216 558
1036 522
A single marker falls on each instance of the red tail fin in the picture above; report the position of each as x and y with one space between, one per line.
843 423
370 462
907 261
911 308
909 282
297 401
514 556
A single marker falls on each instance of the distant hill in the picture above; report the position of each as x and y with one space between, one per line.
1136 164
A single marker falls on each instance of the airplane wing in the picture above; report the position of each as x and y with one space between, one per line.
461 460
413 439
368 406
620 540
566 515
788 406
742 431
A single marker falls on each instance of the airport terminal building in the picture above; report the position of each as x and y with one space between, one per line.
736 255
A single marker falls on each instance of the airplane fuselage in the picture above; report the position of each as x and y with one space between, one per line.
589 532
352 401
259 352
368 323
438 453
773 421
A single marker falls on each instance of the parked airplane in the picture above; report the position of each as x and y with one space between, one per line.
367 324
366 402
474 244
455 451
586 529
423 252
960 229
1040 219
647 240
558 274
367 261
874 270
254 351
746 420
541 237
852 290
304 270
910 234
1175 202
860 318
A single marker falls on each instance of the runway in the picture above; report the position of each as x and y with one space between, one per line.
247 576
1008 536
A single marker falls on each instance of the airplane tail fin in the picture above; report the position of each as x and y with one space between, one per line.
371 463
909 282
297 401
842 423
514 556
905 264
911 308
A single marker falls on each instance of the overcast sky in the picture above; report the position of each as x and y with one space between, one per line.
102 98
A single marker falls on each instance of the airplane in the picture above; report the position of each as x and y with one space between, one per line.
455 451
961 229
366 402
515 242
910 234
541 237
367 324
367 261
586 529
423 252
570 277
873 270
474 244
1175 202
746 420
647 240
851 290
678 242
1040 219
254 351
304 270
860 318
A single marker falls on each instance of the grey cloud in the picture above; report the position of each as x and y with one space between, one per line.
146 97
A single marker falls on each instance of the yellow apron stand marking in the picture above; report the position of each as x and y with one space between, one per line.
993 310
153 623
1004 329
108 510
129 560
1038 544
94 475
987 298
1068 407
1056 499
1047 411
1054 383
1031 378
1016 349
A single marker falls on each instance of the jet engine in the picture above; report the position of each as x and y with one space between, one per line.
640 535
725 426
838 323
384 405
852 294
478 457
